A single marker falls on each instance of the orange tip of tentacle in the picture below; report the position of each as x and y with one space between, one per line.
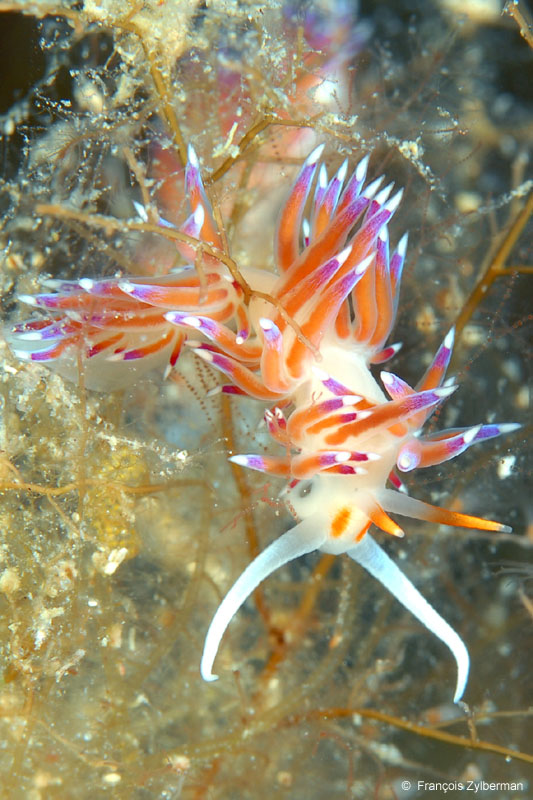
417 509
386 523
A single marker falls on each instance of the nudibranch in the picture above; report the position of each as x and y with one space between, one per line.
343 435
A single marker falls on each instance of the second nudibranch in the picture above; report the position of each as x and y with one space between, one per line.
342 436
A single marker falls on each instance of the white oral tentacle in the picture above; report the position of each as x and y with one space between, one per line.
369 555
303 538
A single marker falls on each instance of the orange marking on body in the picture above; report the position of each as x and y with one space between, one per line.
329 422
362 532
340 522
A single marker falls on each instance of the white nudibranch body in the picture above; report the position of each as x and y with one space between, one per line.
335 511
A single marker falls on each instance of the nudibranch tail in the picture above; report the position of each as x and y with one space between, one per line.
300 540
370 555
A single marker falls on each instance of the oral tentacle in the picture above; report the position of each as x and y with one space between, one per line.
302 539
369 555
